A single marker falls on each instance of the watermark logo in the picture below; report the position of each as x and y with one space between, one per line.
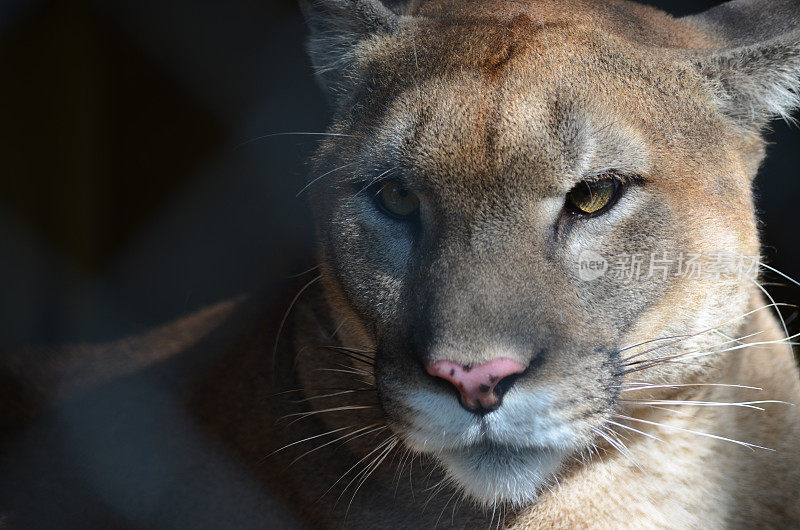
591 265
665 266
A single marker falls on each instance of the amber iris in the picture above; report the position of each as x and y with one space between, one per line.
590 197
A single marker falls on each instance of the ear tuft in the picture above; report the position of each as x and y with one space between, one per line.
756 74
337 26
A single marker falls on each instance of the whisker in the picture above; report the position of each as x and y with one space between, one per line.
292 133
369 470
435 490
322 396
353 350
339 327
646 386
377 448
671 411
681 354
305 440
400 467
303 415
619 446
787 341
373 181
666 360
453 512
635 430
453 496
771 299
286 315
745 404
355 355
329 389
299 274
347 437
734 339
410 476
681 338
317 179
669 337
341 370
693 354
356 370
698 433
762 264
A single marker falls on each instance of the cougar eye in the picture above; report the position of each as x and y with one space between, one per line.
591 197
397 200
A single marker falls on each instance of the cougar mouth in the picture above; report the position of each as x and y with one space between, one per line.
505 456
492 473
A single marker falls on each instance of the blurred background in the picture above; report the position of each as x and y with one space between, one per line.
136 181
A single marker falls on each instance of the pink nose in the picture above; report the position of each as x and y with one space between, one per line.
476 384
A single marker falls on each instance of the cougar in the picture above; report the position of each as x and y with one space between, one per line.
536 300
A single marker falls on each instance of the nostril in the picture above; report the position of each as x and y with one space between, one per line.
506 383
481 387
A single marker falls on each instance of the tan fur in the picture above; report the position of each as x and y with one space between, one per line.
495 110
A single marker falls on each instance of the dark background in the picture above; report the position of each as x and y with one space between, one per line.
134 186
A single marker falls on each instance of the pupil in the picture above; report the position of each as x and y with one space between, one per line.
402 192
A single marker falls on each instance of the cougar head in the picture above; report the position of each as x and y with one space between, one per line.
493 172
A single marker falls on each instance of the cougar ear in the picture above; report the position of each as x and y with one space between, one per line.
337 26
756 71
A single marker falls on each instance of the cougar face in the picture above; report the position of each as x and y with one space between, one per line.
491 171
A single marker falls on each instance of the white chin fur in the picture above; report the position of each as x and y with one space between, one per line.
506 456
492 474
524 420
